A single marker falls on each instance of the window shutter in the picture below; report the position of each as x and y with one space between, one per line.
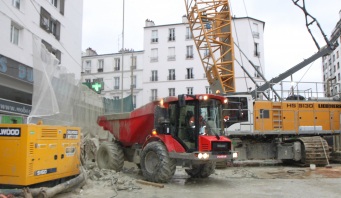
62 2
57 30
44 14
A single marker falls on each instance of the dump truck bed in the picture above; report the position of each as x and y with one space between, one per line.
132 127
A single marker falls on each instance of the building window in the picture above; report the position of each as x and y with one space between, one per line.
154 76
88 80
133 62
16 3
171 75
255 31
208 90
256 73
190 90
188 33
333 57
88 64
116 97
338 65
117 83
334 68
171 92
154 94
207 51
100 64
171 53
53 50
256 51
171 34
337 54
134 82
189 51
14 35
117 64
49 24
54 2
330 72
189 74
326 66
155 38
338 76
134 102
154 55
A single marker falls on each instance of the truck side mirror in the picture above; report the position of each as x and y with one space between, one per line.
181 100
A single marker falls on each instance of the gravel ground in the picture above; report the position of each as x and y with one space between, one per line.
261 181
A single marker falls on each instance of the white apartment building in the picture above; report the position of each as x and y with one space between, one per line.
331 63
57 23
107 68
172 65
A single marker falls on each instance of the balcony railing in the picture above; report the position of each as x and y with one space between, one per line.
100 69
152 98
171 77
117 68
171 38
116 87
255 34
171 57
189 56
154 78
154 40
189 76
189 36
154 59
256 53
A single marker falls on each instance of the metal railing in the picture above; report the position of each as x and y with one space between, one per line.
152 98
255 34
171 77
189 76
171 38
256 53
154 59
171 57
154 40
188 56
154 78
189 36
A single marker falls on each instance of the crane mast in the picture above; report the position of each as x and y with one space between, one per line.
211 27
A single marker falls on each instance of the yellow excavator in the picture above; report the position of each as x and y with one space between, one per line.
265 123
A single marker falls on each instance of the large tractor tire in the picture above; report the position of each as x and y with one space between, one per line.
202 170
155 163
110 156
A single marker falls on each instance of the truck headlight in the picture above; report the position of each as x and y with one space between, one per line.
205 155
235 155
200 156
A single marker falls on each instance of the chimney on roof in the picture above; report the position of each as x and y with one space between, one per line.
184 19
149 23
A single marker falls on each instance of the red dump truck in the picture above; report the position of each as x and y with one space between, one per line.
186 131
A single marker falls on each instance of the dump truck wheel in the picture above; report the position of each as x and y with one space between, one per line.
202 170
155 163
110 156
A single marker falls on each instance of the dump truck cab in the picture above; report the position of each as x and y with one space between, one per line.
195 122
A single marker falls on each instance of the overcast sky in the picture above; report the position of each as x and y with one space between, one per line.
286 39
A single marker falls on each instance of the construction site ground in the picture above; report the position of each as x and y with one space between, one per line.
263 180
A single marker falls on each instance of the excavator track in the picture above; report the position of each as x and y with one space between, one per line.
314 151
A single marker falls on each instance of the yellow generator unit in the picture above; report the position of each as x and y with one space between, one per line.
32 154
